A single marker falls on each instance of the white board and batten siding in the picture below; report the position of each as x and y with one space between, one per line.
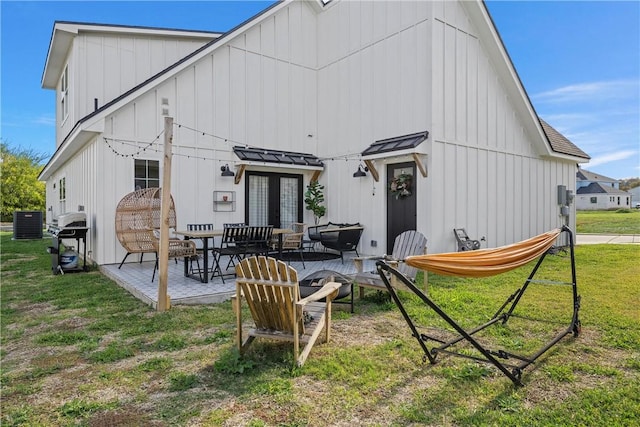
328 83
373 83
489 177
257 88
104 65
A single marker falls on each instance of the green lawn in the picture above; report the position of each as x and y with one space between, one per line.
623 221
79 350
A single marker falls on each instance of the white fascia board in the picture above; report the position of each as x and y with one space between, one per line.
74 143
61 40
568 157
147 31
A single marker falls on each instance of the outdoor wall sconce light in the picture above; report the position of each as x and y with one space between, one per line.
226 171
360 173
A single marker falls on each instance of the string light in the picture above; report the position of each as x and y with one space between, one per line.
148 147
346 157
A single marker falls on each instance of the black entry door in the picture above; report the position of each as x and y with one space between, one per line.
273 199
401 200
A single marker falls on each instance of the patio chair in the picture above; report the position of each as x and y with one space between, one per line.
315 231
137 213
345 238
408 243
464 242
199 245
178 248
468 342
290 243
258 240
270 289
232 245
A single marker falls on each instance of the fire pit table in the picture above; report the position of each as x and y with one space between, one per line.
314 281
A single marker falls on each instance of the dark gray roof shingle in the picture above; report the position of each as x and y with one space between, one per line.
559 143
597 188
585 175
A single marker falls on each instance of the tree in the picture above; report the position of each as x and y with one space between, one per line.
19 185
628 184
313 199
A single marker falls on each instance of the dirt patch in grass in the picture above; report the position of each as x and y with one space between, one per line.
367 330
580 355
32 310
128 416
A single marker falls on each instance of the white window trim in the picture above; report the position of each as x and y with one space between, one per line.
64 95
146 178
62 194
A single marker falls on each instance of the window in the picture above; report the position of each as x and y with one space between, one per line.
62 189
64 94
594 200
62 194
146 174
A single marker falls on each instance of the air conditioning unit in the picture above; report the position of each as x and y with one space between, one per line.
27 225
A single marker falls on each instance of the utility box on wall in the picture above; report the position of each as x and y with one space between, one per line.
562 195
27 225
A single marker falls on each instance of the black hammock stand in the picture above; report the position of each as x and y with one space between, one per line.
501 359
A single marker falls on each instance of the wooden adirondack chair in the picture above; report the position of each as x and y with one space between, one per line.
406 244
270 288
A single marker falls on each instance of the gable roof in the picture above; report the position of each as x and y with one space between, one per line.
176 67
477 11
598 188
585 175
556 144
64 32
559 143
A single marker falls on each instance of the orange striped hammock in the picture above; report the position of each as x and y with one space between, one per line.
486 262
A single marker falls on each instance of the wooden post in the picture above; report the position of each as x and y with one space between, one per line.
163 256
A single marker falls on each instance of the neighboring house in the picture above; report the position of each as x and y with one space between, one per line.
421 93
635 197
597 192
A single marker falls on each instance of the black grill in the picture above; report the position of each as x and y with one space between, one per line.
78 233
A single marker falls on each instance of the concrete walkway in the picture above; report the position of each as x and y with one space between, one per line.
593 239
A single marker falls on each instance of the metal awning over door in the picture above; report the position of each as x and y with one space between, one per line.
396 146
285 159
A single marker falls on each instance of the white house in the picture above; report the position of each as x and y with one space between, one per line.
635 197
597 192
309 90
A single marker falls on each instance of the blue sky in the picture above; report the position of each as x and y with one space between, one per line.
578 60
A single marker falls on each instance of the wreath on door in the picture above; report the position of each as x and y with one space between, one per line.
400 186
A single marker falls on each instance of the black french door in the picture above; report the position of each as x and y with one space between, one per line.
273 199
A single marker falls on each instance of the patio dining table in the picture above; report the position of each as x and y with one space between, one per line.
205 235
